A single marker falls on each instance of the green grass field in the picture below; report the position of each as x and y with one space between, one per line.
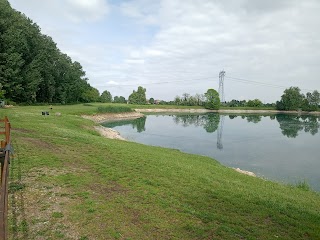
68 182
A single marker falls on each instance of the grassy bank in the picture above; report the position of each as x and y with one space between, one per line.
248 108
67 182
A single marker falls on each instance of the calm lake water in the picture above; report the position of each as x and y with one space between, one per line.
285 148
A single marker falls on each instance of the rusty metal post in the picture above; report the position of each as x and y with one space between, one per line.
4 183
4 199
3 145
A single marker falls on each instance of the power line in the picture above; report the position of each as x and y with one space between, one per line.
235 79
242 80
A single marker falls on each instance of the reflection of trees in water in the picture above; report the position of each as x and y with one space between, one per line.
254 118
290 125
209 122
138 123
212 123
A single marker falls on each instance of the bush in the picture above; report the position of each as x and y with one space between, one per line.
9 102
304 185
113 109
212 99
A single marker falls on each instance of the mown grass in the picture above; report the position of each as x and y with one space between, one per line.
70 183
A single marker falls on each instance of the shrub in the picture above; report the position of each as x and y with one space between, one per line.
113 109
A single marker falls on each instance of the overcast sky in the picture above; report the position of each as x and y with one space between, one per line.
175 46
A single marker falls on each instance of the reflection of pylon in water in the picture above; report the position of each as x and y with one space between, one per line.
221 85
220 131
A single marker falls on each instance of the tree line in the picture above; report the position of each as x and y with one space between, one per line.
32 68
209 100
293 99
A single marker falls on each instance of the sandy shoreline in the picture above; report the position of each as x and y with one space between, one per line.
105 117
109 133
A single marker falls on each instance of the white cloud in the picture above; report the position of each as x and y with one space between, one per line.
144 11
45 11
269 42
154 52
134 61
112 83
86 10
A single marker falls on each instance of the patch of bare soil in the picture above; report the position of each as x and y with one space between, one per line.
21 130
109 190
38 208
40 143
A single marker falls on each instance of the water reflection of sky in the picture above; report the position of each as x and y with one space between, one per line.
282 147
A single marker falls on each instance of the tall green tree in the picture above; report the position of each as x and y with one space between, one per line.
177 100
138 97
311 101
106 97
185 99
2 92
91 94
120 99
32 68
151 100
212 99
292 99
254 103
199 99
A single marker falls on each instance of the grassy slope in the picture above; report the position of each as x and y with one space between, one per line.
67 182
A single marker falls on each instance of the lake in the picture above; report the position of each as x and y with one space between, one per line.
280 147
